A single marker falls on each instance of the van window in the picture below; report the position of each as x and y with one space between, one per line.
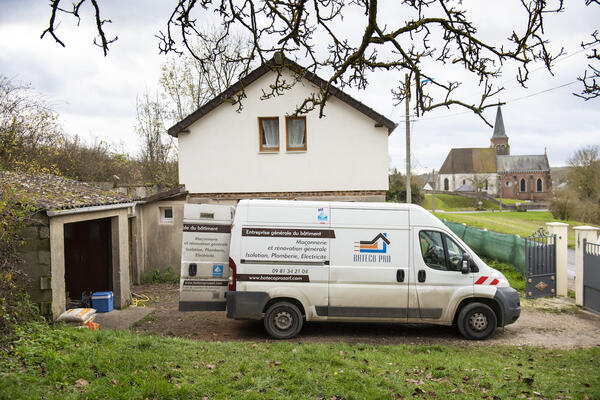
432 249
455 255
440 252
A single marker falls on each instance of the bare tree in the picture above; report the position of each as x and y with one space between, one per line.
427 35
157 152
188 84
591 77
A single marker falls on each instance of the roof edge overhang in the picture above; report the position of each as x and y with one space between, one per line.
81 210
273 65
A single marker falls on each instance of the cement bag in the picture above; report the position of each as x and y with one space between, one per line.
79 315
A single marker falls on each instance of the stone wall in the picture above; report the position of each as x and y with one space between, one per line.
36 253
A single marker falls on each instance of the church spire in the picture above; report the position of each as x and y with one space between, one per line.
499 125
499 140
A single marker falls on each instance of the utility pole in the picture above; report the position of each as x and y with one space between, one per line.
407 101
433 193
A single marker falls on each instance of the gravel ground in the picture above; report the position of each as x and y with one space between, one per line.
550 323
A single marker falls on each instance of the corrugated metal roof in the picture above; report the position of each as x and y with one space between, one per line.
51 192
529 163
470 160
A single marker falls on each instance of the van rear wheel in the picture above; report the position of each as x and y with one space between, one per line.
283 320
476 321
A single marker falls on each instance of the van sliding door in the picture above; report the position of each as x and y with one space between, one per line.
369 269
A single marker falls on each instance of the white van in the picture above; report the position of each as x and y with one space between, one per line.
296 261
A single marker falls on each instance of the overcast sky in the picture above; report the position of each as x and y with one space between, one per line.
95 95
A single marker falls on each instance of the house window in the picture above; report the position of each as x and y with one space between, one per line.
446 184
166 215
464 181
523 185
486 184
539 185
296 133
269 133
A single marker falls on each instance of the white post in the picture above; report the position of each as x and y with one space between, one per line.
561 231
590 234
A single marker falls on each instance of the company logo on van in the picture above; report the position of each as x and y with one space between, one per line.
322 216
374 250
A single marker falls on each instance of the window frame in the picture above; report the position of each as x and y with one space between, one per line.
163 217
522 185
539 185
261 148
287 134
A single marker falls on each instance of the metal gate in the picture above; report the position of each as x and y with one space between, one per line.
591 276
540 263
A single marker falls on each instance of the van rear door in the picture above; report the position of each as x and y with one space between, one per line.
205 256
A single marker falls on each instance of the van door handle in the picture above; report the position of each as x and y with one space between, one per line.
421 275
400 275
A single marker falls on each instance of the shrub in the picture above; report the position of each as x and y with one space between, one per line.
15 306
168 275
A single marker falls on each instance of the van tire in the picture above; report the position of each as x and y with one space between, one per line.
283 320
476 321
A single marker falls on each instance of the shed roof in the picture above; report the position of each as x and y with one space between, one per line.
51 192
470 160
272 65
529 163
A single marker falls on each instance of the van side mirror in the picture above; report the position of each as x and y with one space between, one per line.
466 264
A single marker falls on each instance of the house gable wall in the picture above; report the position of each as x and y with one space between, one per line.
345 152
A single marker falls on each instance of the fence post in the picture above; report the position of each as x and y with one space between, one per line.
561 231
590 234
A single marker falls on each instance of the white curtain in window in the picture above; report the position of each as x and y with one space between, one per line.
270 128
296 132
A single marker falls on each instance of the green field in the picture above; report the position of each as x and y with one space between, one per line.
67 363
451 202
510 222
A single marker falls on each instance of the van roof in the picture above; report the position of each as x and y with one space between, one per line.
330 204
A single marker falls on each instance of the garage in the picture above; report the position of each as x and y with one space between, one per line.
88 264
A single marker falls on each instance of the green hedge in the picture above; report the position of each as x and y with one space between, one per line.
509 249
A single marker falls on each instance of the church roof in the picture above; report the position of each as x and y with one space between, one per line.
470 160
499 131
530 163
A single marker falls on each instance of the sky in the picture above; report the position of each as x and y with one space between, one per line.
96 95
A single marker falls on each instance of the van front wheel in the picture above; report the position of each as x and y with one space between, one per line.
283 320
477 321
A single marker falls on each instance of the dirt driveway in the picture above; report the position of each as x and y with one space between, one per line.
552 323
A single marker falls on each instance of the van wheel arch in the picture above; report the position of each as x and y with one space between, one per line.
493 304
296 302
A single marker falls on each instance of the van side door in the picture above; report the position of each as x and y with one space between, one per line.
440 283
368 275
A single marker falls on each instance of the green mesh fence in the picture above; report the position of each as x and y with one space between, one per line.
509 249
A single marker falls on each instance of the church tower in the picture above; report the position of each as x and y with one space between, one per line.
499 139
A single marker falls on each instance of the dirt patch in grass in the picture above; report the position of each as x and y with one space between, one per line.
550 323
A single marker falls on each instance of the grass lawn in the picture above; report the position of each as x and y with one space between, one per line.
511 222
510 201
452 202
67 363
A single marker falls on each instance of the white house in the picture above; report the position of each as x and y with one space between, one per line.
263 151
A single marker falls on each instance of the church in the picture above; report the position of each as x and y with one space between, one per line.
493 170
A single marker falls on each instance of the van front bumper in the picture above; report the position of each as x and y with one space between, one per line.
508 298
246 305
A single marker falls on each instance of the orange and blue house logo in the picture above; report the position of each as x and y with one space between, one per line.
374 250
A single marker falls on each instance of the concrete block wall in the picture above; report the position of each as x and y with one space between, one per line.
36 253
